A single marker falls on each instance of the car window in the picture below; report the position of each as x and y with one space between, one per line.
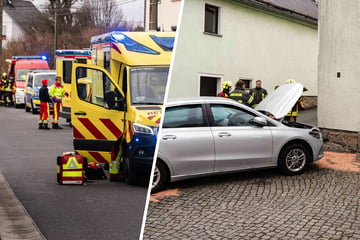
184 116
230 116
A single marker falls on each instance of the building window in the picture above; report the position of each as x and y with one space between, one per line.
209 86
211 19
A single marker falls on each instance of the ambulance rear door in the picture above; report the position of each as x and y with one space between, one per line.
97 112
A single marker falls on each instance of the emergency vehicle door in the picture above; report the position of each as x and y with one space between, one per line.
97 112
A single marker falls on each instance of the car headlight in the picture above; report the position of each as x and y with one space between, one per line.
138 128
315 133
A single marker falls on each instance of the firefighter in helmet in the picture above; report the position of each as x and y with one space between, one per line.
226 88
9 89
240 95
57 92
2 83
299 105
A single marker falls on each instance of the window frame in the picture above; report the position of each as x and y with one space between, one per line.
212 119
218 20
203 111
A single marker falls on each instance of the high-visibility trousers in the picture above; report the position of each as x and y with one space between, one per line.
44 112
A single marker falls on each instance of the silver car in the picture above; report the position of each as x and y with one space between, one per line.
212 135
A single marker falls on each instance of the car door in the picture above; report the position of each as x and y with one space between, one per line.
186 141
97 112
238 143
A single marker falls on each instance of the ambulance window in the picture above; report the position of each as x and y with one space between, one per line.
97 89
107 61
67 68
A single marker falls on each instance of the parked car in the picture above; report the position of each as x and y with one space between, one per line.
212 135
32 86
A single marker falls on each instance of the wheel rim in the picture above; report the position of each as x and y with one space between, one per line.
295 160
156 177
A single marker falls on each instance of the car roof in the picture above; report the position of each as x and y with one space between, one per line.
189 100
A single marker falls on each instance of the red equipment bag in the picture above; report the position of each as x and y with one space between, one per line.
71 168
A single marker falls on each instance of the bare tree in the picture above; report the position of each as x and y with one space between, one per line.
61 10
104 14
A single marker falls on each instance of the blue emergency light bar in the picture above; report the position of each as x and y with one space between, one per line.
84 52
166 43
129 44
29 57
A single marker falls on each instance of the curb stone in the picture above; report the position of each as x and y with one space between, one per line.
15 221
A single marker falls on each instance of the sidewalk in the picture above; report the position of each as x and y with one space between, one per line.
15 222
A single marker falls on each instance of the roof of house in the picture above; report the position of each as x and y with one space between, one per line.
303 10
24 13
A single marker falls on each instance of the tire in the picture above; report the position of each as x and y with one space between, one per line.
160 177
27 109
129 175
294 159
33 110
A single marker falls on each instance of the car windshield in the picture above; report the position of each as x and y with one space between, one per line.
147 85
49 77
21 74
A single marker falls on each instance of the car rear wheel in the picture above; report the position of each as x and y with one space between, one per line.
33 110
160 177
294 159
27 109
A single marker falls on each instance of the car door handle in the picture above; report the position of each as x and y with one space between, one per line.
224 134
81 113
169 137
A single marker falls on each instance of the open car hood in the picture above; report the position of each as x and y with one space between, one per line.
280 101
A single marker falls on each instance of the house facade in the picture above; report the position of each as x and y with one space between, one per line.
19 18
250 40
162 15
339 86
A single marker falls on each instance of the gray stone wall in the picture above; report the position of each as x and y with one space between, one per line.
341 141
310 101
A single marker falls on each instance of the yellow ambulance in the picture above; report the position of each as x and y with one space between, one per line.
116 106
64 59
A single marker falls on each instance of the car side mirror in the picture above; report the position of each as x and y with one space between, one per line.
259 121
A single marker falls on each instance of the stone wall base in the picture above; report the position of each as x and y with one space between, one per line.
310 101
341 141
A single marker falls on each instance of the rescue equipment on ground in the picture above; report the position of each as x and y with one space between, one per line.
94 171
71 168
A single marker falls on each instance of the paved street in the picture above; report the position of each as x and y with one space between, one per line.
100 210
322 203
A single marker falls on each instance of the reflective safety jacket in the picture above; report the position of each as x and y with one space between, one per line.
9 85
258 94
57 90
223 94
299 105
242 96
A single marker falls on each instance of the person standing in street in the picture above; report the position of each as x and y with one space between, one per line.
9 89
45 102
258 93
226 88
57 92
240 95
2 83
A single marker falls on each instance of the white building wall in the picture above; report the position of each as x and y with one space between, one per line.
168 13
253 45
339 97
13 31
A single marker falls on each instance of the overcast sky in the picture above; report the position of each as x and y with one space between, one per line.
133 9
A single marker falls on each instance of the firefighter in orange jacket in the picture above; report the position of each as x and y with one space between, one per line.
57 92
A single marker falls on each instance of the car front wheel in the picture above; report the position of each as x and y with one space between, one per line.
294 159
160 177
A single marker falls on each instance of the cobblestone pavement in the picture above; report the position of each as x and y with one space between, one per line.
319 204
